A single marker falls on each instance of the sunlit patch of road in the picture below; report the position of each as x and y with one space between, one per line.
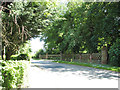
47 74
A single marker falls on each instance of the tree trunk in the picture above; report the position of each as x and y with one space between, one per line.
8 53
2 55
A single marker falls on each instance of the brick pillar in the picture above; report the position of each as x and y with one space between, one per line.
104 55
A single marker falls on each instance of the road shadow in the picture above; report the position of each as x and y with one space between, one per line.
90 73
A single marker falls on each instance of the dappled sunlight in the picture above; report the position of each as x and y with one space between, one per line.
90 73
75 33
47 74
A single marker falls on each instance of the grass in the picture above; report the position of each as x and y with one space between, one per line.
99 66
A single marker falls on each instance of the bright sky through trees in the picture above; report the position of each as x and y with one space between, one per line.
36 44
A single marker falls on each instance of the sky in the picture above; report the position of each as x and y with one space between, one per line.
36 44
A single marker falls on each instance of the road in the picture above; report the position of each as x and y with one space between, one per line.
48 74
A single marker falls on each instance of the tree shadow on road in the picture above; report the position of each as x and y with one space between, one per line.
89 72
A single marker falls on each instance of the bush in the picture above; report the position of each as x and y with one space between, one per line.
40 52
21 57
13 74
114 53
13 57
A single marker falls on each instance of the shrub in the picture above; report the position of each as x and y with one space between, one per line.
13 57
13 74
114 53
40 52
21 57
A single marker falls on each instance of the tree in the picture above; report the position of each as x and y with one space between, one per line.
85 27
40 52
114 53
22 21
25 48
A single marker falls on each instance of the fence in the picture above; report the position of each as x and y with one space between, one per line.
98 58
86 58
56 57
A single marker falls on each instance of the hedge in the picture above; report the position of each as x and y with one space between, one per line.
20 57
13 73
114 53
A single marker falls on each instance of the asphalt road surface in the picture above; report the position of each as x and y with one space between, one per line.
48 74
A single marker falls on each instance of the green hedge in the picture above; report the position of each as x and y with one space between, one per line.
21 57
13 73
114 53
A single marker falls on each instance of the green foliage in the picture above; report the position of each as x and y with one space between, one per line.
22 21
48 51
21 57
84 27
53 51
25 48
13 57
114 53
12 74
40 52
74 27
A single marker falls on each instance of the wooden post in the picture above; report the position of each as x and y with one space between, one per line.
60 55
46 55
104 55
80 56
40 56
90 57
72 57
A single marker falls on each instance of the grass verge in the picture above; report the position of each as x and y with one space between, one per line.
99 66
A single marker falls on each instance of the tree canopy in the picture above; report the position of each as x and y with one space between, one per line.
72 27
22 21
85 26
